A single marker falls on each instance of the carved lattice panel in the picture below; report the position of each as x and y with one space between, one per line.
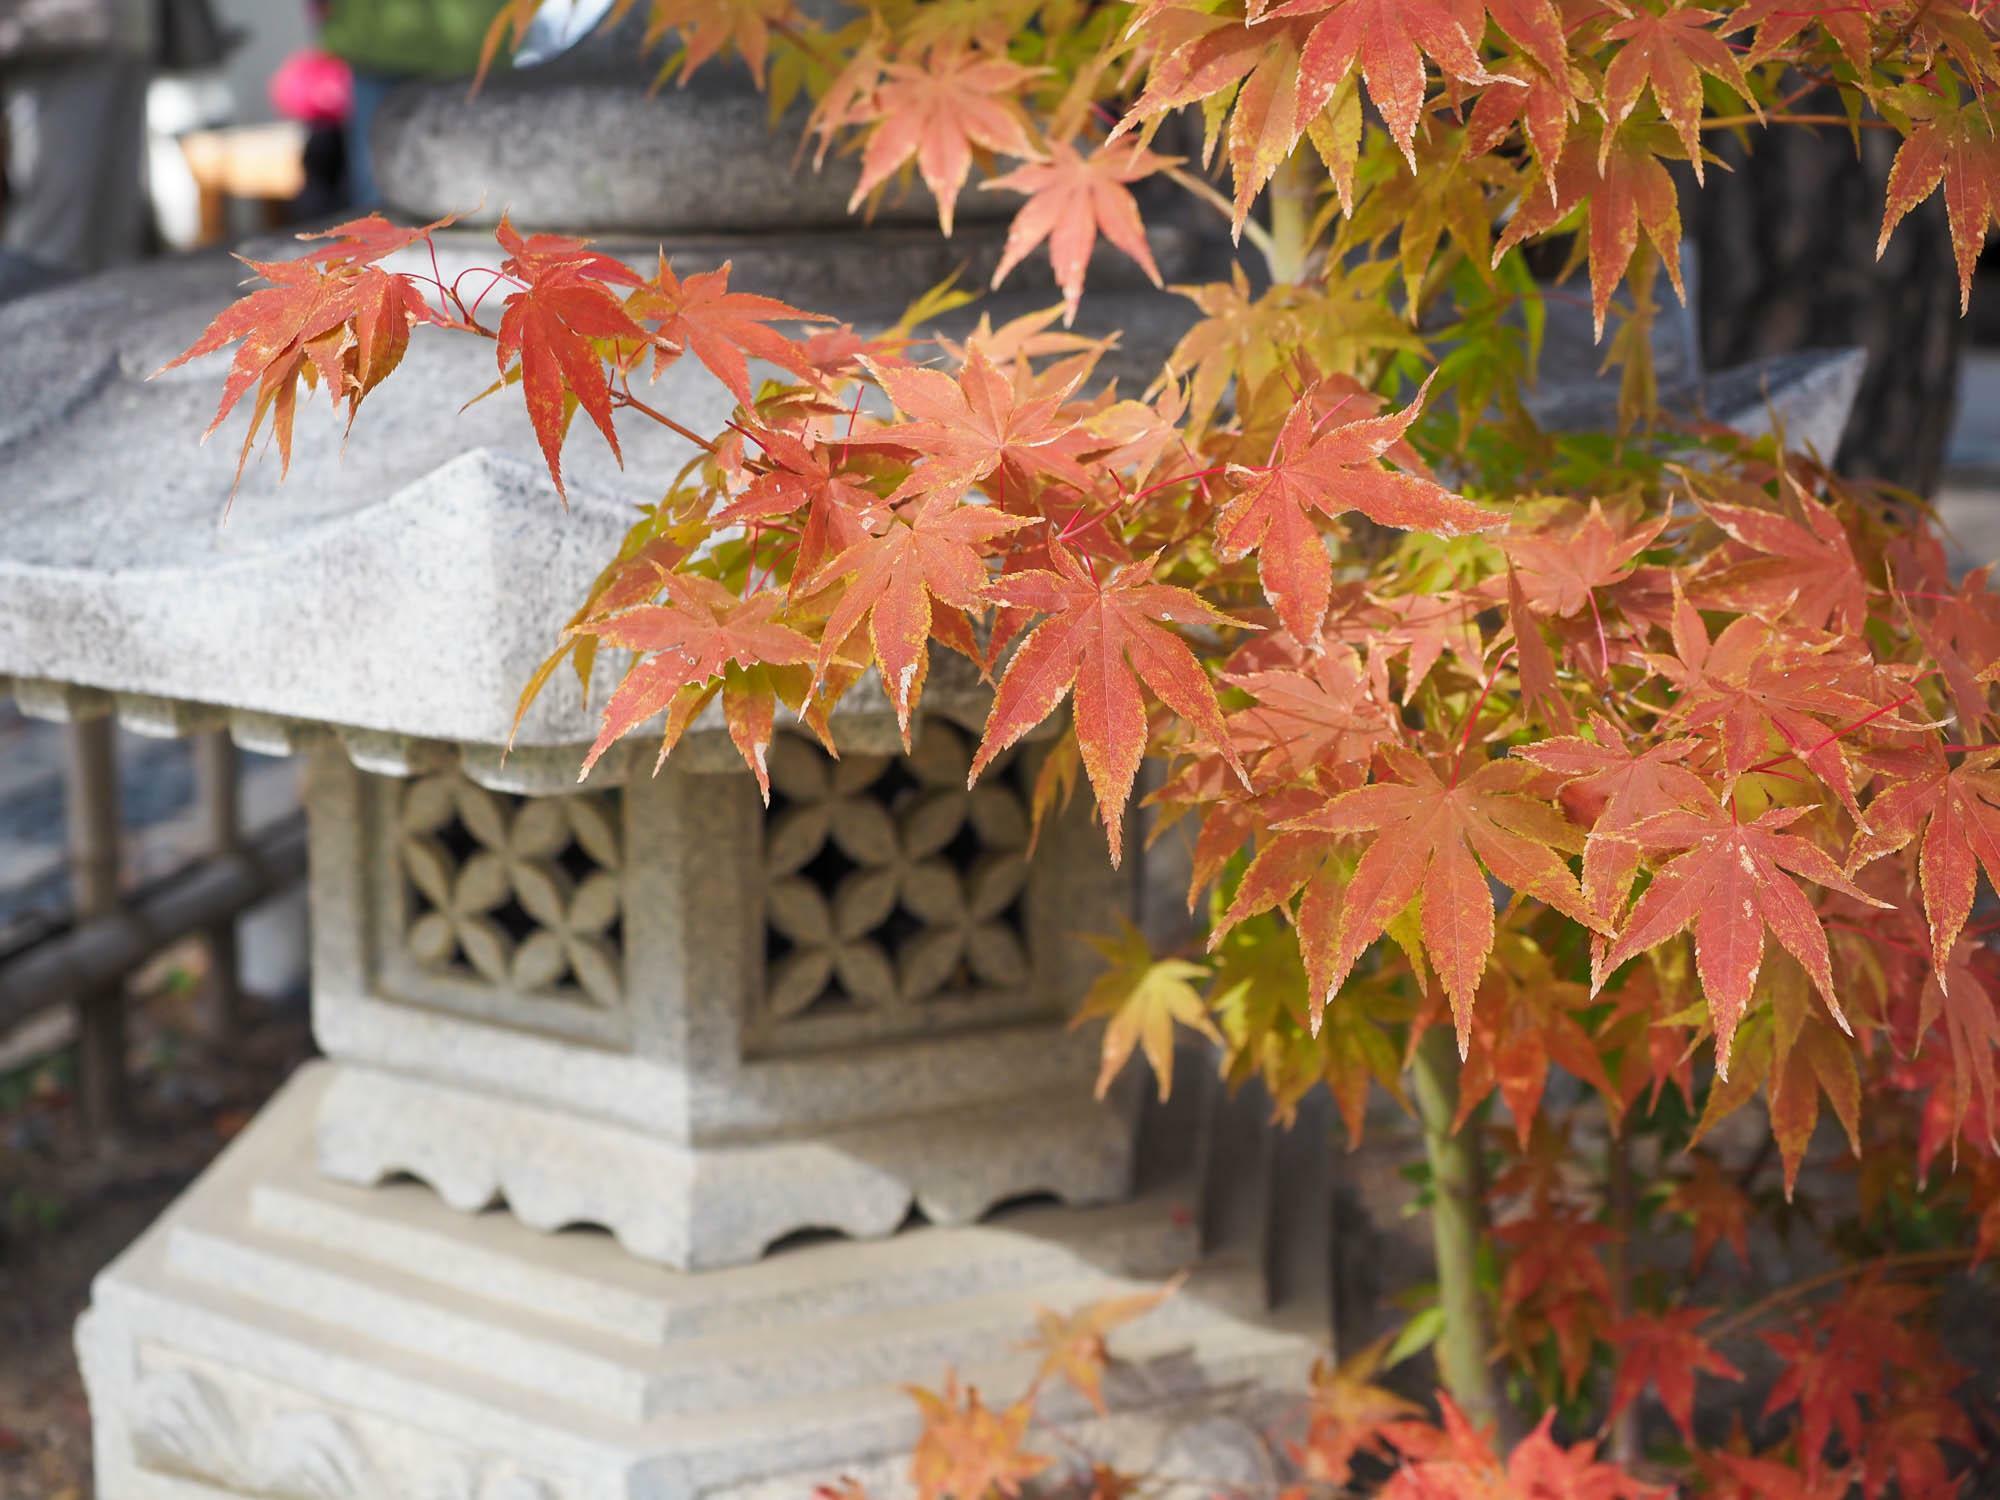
520 894
893 895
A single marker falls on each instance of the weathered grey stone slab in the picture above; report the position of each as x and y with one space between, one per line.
605 155
403 583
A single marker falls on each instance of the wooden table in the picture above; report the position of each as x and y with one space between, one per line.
263 164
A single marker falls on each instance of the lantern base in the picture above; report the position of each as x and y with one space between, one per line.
721 1204
279 1335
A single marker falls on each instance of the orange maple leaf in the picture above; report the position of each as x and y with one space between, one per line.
1668 51
331 317
1957 814
1103 636
1430 837
968 1451
1330 461
1956 147
1073 1345
1729 885
1387 41
841 510
707 26
719 327
929 551
970 429
938 112
701 631
1619 176
1071 200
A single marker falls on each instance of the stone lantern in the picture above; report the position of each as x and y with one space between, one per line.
810 1066
645 1004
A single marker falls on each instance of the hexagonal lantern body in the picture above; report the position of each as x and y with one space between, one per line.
705 1023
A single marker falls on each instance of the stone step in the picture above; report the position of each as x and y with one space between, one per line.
255 1336
583 1278
519 1344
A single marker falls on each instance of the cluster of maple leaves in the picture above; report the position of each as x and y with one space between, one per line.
1666 761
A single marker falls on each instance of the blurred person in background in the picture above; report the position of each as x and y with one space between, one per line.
73 77
386 42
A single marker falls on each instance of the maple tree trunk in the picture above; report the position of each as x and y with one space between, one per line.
1457 1220
1623 1445
1787 261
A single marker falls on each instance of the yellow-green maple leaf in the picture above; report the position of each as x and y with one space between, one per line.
1143 997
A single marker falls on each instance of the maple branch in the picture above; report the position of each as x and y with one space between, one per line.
1472 719
1840 733
1902 1261
1456 1228
1624 1446
1252 230
1167 484
1731 122
1291 197
626 399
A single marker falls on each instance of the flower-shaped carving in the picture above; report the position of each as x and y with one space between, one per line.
523 891
964 925
886 879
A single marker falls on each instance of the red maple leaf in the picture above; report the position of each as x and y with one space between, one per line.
1959 148
1619 176
1071 200
1330 462
368 239
1738 1476
1971 1019
840 509
721 328
1666 1351
551 328
1846 1352
1561 567
1957 812
1668 51
700 631
937 112
1524 1021
1431 837
1103 637
1729 886
1806 574
1614 789
1719 1208
931 550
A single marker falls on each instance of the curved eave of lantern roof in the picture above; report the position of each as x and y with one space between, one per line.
396 591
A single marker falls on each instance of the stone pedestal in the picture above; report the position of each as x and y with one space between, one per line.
281 1335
